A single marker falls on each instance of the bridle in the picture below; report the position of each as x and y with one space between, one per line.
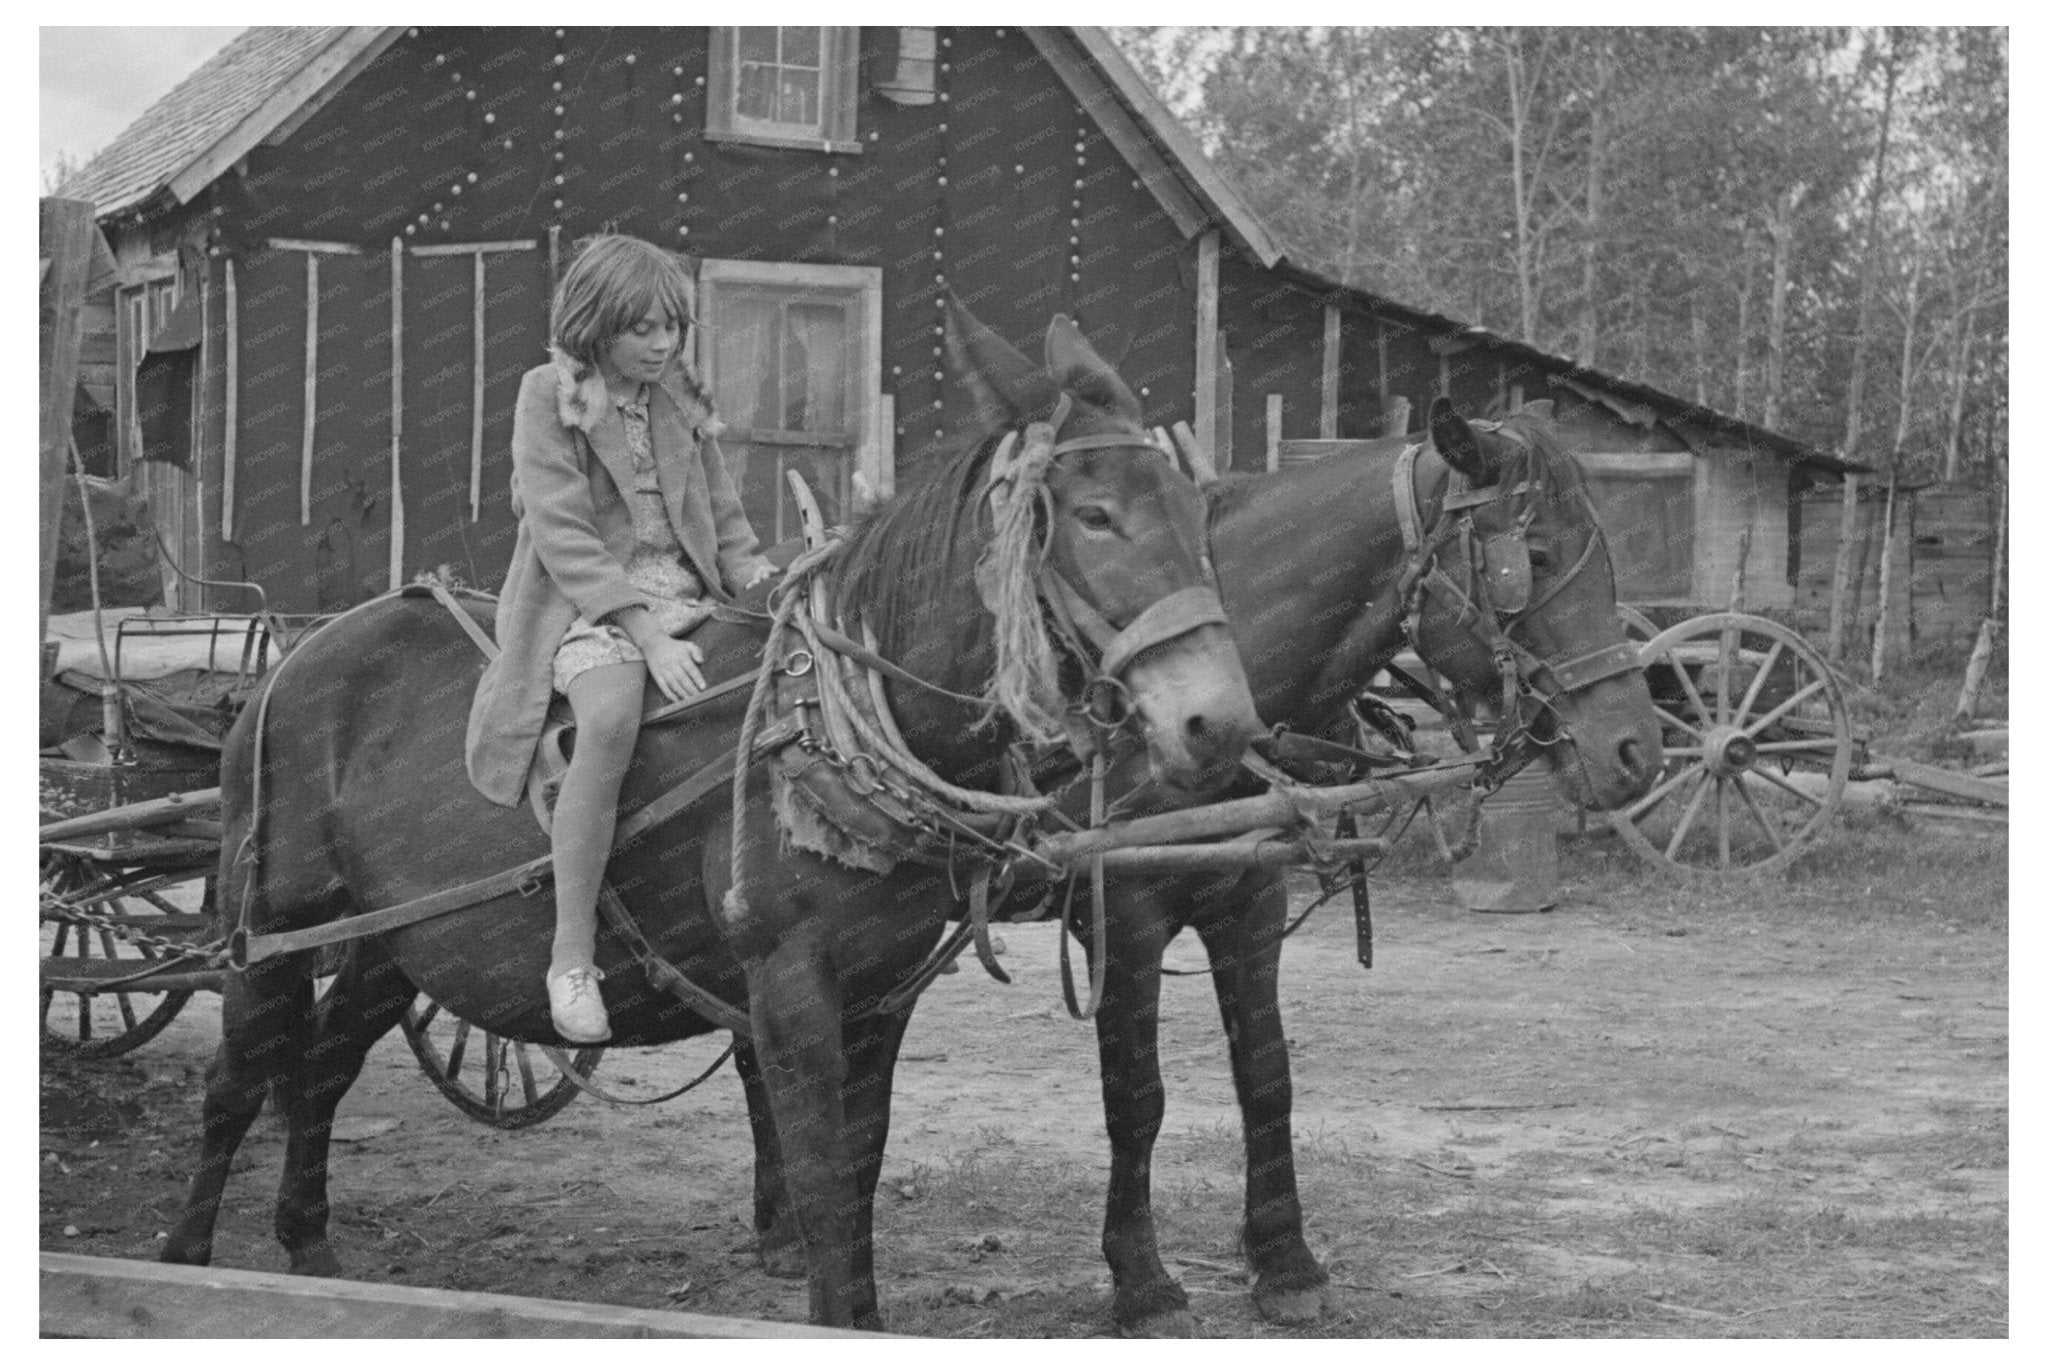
1103 650
1494 596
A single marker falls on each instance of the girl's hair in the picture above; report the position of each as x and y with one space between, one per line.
615 281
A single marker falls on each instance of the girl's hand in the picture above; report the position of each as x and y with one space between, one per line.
674 666
760 575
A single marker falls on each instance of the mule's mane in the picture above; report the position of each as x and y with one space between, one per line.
1540 452
912 548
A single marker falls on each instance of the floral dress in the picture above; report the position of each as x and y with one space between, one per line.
657 567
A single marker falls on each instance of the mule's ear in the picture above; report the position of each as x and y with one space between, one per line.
1542 407
1006 389
1070 360
1461 446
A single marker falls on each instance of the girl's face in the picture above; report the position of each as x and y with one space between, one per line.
643 351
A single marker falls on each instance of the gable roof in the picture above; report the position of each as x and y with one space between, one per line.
269 80
239 96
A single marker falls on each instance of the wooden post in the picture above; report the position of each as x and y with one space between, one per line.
1980 654
1880 646
1274 403
312 388
397 570
1395 420
66 242
234 367
1333 370
1208 257
1839 624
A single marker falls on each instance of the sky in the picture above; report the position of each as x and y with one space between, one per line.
95 81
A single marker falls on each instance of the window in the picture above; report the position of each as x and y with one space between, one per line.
1646 506
144 309
792 355
784 87
915 79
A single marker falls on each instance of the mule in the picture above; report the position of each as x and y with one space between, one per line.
1312 561
364 804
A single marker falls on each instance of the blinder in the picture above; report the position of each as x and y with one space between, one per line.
1509 577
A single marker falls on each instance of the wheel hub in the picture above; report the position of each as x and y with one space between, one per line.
1729 751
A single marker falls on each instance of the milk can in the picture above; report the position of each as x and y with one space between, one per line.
1514 869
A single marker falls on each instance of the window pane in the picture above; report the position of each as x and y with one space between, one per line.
799 98
800 46
814 368
745 365
757 45
755 94
1649 522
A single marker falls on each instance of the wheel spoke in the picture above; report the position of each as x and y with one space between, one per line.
1767 775
1730 646
526 1073
1689 751
494 1061
1785 707
1818 747
1692 809
458 1047
1692 692
127 1010
63 938
1662 790
1678 722
84 1018
1721 819
1770 830
1756 684
426 1016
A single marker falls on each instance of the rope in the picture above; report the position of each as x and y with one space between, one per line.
1025 684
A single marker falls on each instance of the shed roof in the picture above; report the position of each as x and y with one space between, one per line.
268 79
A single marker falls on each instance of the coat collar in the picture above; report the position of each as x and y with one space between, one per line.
582 401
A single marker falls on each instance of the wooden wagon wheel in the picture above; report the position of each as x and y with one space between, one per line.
106 1023
1757 748
493 1080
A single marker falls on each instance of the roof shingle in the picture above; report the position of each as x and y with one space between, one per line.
197 113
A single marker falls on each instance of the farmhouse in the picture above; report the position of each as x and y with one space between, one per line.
335 250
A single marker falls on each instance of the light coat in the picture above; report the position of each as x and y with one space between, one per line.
569 462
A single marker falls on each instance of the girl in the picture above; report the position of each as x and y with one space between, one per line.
628 525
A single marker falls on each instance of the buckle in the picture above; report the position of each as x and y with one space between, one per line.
1106 702
797 663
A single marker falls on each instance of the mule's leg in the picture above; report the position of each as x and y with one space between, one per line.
366 1001
1288 1284
793 1000
263 1015
779 1244
871 1047
1149 1301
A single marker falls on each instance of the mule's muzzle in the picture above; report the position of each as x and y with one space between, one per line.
1195 708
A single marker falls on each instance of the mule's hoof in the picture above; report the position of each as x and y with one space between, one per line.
1178 1322
783 1260
318 1260
1294 1306
175 1253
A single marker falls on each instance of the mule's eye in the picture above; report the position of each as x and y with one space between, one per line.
1094 518
1539 560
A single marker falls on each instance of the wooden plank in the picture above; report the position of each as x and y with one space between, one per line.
1333 352
465 248
1275 405
312 388
233 350
1208 259
1300 450
397 563
317 80
92 1296
324 248
1946 782
1649 464
66 234
476 394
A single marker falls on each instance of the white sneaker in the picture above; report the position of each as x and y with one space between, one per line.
577 1007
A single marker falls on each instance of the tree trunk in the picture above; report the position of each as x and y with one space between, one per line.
1880 645
1525 248
1742 302
1781 274
1951 463
1589 277
1841 612
1980 656
1699 346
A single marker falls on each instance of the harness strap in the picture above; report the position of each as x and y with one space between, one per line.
567 1067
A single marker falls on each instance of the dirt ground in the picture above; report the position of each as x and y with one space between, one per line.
1655 1111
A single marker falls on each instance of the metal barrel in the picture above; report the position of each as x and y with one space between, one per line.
1514 870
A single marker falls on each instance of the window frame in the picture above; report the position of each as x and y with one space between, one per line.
871 450
838 96
1669 468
